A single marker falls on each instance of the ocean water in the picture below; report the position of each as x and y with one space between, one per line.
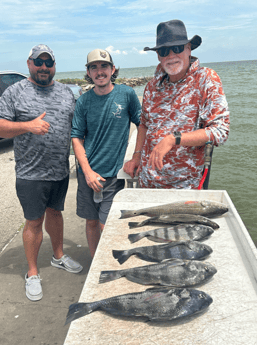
233 164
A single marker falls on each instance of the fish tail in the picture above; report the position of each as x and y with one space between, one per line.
107 276
126 214
78 310
121 255
135 237
134 225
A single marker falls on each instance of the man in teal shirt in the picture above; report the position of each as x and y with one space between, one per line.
100 131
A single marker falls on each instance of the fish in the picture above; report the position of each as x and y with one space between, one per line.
202 208
158 304
183 232
175 219
185 250
174 272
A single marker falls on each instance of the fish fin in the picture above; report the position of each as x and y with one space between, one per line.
107 276
134 225
144 222
157 239
159 288
136 280
77 310
174 262
135 237
172 244
121 255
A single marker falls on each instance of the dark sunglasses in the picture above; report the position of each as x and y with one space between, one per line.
164 51
39 62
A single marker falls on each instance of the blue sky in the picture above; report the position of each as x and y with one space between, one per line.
74 28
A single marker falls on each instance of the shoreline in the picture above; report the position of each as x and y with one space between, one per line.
132 82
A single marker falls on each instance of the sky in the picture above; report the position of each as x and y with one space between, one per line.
74 28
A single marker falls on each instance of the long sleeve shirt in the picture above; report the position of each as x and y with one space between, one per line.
196 101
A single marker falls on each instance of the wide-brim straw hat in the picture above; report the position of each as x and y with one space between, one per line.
173 33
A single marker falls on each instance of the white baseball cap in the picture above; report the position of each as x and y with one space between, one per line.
99 55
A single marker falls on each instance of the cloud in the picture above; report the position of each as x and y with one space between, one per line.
138 51
115 52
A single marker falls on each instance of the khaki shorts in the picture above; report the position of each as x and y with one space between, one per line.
87 208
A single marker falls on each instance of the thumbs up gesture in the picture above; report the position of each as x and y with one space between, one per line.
39 126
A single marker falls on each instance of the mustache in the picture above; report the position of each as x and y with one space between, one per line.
172 61
43 72
101 75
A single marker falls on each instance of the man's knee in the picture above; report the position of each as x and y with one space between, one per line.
53 213
34 225
92 223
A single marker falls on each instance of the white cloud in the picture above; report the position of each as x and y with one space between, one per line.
115 52
139 51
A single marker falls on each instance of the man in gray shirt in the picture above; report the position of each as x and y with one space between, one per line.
37 112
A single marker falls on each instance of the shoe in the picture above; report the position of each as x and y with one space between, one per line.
67 263
33 287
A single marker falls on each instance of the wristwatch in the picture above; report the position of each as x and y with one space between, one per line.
177 136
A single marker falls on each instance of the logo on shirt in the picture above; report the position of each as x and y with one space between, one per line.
118 110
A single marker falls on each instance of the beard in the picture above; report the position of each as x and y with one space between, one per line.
42 81
173 68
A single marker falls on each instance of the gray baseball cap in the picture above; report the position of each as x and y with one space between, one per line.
40 49
99 55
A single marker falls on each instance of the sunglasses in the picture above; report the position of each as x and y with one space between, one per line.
39 62
164 51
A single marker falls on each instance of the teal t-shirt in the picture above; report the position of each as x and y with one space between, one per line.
104 122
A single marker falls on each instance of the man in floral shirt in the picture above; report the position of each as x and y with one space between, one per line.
184 107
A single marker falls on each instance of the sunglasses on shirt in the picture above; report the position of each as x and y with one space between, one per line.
39 62
164 51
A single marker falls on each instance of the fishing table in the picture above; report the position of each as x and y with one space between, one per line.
230 319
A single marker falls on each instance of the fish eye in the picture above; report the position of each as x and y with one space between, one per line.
206 268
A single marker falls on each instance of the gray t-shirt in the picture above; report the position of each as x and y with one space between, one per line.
40 157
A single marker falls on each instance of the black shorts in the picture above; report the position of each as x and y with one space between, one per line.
36 196
87 208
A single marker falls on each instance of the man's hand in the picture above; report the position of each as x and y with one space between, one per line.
159 151
39 126
132 167
93 182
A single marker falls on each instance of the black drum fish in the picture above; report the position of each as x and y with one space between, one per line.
158 304
184 250
174 272
183 232
174 219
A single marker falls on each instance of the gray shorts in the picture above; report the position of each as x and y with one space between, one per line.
87 208
36 196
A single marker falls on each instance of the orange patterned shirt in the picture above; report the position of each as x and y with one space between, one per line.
196 101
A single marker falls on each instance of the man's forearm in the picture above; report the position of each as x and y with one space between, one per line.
10 129
195 138
80 154
141 134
